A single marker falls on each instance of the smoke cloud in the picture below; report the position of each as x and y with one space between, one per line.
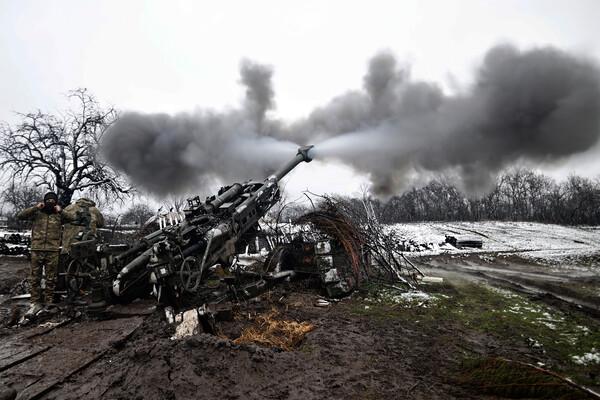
259 91
538 105
171 154
541 104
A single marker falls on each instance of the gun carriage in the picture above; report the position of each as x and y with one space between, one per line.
176 261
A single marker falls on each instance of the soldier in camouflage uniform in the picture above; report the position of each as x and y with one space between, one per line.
88 220
47 218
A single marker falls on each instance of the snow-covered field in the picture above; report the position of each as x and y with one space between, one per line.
547 242
533 240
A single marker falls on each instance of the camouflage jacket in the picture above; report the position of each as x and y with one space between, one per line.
87 220
46 229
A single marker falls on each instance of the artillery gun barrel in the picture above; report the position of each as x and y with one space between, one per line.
302 155
230 193
144 244
245 214
269 188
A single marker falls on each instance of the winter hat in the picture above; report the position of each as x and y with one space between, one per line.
50 195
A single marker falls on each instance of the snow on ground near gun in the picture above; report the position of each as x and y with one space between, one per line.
5 233
553 243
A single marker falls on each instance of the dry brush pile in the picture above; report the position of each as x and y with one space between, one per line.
373 251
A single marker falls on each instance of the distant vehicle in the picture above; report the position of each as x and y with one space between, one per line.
460 241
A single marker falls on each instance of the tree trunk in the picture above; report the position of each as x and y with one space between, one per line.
65 196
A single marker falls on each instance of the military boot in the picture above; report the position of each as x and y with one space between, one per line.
34 309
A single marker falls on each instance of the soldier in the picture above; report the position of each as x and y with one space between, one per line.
88 220
47 220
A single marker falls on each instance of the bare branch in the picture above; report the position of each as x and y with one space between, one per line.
61 150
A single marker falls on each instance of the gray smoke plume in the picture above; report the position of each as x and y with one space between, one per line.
541 104
171 154
259 91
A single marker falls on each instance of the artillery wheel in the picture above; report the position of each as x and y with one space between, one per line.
77 276
190 274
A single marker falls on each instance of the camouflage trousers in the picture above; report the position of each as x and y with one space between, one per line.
43 261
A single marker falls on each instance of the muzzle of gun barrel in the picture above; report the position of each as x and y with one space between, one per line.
302 155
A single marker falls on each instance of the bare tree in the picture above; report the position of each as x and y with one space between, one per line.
137 214
61 151
581 202
175 203
21 196
274 221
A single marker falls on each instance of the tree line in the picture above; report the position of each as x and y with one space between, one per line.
518 195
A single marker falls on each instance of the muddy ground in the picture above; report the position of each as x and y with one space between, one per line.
377 344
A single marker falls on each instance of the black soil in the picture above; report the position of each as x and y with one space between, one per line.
345 357
349 355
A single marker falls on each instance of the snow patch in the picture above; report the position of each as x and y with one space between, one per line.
410 298
593 357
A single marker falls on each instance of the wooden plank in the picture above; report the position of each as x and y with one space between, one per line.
72 348
42 330
38 392
12 347
22 356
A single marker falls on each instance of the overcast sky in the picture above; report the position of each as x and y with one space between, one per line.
170 56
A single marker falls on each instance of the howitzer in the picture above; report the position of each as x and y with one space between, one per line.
174 261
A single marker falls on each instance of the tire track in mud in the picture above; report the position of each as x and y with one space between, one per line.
548 297
545 285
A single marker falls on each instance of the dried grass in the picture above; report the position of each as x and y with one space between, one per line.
270 331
